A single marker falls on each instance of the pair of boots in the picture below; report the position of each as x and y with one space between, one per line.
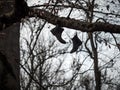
57 32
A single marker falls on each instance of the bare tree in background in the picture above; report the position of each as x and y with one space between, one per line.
42 64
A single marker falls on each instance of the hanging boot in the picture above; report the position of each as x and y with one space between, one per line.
57 32
76 43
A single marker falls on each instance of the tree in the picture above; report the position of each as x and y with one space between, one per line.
94 19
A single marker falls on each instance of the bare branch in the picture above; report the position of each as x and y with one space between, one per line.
73 23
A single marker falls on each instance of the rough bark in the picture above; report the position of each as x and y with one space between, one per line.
73 23
7 8
9 47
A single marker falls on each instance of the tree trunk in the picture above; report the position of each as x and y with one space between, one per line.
10 58
95 60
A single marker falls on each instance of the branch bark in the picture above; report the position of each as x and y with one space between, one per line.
73 23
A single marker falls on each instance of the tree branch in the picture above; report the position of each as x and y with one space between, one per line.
73 23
